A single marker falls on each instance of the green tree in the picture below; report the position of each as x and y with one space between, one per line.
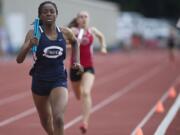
152 8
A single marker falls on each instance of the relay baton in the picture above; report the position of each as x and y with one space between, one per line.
37 35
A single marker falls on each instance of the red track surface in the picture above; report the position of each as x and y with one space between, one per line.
127 87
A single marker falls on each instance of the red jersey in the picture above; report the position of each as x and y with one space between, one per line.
86 49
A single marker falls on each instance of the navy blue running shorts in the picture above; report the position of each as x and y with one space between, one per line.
44 87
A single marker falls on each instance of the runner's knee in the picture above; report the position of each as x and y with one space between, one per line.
85 93
58 121
46 122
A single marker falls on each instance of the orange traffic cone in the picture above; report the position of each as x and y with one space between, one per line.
172 92
160 107
139 131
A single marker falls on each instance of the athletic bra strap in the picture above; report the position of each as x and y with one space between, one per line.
58 29
41 30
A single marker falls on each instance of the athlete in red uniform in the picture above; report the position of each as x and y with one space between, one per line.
82 82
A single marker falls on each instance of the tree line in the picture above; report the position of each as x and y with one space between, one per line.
152 8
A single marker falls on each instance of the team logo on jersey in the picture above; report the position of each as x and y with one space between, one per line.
53 52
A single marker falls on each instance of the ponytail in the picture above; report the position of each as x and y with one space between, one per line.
73 23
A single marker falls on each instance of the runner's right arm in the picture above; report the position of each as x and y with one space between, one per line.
30 40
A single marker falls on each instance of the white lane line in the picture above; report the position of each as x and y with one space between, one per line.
22 95
20 116
13 98
102 80
114 75
29 111
152 111
161 130
107 101
17 117
117 95
149 115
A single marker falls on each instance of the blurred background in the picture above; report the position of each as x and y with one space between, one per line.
138 73
127 24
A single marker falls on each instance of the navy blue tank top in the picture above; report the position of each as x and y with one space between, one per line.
50 58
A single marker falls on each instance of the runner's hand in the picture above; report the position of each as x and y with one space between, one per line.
103 50
34 41
78 67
